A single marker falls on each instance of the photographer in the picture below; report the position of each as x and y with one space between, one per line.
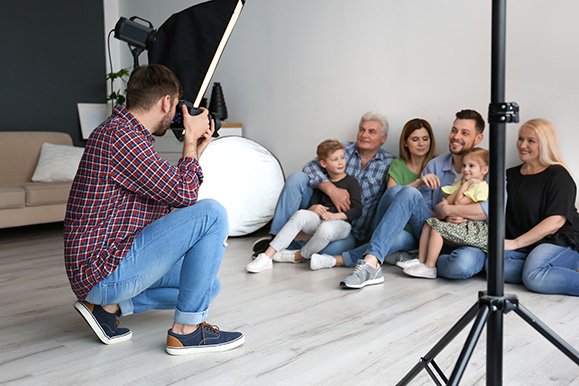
126 250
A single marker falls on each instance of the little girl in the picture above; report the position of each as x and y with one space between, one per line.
472 188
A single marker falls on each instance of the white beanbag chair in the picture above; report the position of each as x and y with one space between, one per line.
245 178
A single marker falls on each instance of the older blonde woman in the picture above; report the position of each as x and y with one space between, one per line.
542 223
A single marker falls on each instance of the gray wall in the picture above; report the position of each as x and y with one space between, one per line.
297 72
53 56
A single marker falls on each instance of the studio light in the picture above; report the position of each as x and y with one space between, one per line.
138 36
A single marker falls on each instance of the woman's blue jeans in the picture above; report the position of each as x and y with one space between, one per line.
548 268
172 264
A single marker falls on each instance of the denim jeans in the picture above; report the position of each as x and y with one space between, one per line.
404 241
548 268
172 264
295 195
322 232
402 205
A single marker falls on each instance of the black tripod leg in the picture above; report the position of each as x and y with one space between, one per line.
469 345
441 344
551 336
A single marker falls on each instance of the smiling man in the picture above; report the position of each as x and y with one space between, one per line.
366 162
412 206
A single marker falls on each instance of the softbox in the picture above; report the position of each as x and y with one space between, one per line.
190 43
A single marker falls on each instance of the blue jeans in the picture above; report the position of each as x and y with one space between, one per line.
172 264
402 205
296 195
548 268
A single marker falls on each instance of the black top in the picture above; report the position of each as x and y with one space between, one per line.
351 185
532 198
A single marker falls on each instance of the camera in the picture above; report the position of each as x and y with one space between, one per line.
177 122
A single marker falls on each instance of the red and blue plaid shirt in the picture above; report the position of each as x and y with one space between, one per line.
121 186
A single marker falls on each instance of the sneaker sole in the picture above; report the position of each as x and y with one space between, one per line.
364 284
203 349
257 270
96 327
420 276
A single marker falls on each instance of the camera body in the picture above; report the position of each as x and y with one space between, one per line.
177 122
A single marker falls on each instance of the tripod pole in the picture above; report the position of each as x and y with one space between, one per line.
496 243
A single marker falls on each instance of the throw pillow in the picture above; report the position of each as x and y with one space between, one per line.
57 163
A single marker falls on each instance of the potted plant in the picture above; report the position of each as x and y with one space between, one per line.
117 96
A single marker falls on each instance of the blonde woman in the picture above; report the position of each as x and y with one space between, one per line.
542 224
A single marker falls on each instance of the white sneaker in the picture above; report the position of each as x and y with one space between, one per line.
321 261
408 263
285 256
421 270
261 263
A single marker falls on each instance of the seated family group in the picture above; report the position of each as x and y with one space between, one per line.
436 205
128 251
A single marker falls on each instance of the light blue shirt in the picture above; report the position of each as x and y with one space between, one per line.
442 167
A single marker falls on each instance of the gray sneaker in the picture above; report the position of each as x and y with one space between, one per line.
364 274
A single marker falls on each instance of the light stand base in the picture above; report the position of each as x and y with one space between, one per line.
480 311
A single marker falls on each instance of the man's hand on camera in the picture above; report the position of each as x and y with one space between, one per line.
205 139
196 129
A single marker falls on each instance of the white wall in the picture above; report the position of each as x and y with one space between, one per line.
297 72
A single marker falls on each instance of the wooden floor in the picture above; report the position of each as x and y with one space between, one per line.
300 327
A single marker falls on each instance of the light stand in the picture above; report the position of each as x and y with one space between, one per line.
492 304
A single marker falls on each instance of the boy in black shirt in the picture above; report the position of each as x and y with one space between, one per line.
322 220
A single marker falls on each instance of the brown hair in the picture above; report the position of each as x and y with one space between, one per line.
482 155
148 84
411 126
327 147
479 122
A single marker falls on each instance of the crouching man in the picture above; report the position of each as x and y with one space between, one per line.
126 250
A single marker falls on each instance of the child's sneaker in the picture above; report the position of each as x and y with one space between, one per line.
421 270
206 338
104 324
285 256
408 263
261 263
320 261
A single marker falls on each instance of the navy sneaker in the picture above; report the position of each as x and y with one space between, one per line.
206 338
104 324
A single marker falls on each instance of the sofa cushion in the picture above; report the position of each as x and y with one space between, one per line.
20 151
57 163
40 193
12 196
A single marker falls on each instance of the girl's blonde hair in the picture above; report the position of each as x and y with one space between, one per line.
482 155
549 153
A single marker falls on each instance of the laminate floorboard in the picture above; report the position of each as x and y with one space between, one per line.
300 327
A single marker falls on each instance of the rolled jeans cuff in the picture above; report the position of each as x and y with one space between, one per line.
190 318
127 307
348 262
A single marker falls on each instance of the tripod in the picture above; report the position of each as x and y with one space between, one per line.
492 304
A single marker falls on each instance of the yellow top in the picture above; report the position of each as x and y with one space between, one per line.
478 191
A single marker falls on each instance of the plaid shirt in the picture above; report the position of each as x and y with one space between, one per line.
121 186
372 179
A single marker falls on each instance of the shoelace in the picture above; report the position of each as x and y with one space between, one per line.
206 326
359 267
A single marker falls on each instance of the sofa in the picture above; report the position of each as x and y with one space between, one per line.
26 196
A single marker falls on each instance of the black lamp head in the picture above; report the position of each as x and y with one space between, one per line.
136 34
